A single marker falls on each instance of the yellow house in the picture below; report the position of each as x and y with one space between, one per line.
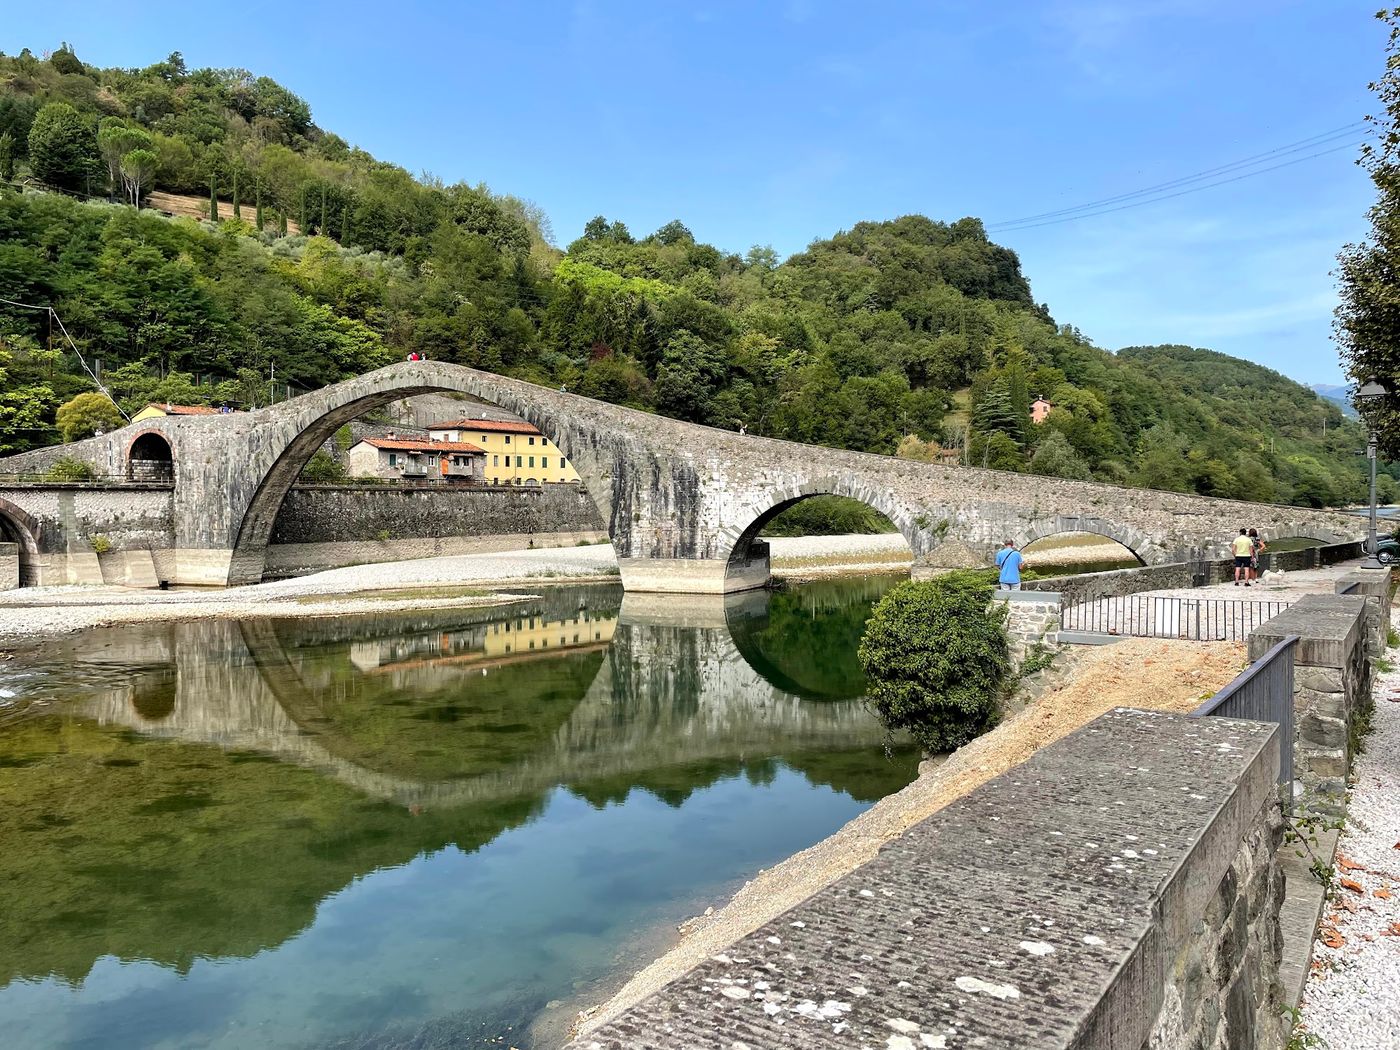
516 452
155 410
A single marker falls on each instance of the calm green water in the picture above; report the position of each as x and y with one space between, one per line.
433 830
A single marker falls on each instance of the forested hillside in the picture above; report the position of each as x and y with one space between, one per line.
905 335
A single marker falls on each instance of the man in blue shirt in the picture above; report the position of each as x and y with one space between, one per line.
1009 561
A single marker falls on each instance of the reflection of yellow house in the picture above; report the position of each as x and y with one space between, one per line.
160 411
506 641
535 634
516 452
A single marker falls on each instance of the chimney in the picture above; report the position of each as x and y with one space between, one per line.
391 435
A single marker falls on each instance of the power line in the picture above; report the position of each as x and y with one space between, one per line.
1012 227
1293 147
53 316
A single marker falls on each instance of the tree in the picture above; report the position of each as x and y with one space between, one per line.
237 207
690 374
87 414
997 452
258 208
138 167
64 61
7 157
1367 321
1055 457
995 411
936 656
61 146
213 198
114 141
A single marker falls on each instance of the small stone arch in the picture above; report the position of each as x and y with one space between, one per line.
1137 542
19 527
736 541
149 457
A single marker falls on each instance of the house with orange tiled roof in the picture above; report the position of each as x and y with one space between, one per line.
516 452
393 458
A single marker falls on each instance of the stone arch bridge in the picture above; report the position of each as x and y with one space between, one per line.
683 503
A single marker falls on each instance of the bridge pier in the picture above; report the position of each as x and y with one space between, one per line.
694 575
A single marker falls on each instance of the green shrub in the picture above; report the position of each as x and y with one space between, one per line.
69 469
828 516
321 469
101 544
935 654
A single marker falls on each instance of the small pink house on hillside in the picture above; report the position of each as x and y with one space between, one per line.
1040 408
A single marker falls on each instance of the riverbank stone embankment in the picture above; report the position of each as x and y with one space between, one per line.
1168 675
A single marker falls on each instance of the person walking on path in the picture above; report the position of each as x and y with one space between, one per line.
1010 562
1243 548
1259 548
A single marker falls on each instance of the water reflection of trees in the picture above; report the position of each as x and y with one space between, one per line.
259 768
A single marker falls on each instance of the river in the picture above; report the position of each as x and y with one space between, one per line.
421 831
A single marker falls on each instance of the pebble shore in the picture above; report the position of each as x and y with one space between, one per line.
1352 998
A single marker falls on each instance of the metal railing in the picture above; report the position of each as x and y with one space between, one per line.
1263 692
96 480
1149 616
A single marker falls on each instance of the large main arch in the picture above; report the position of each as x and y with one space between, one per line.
280 466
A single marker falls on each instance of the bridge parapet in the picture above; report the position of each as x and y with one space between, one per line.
1120 886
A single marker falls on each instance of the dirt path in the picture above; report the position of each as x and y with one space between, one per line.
1148 673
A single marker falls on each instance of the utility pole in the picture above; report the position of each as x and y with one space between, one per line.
272 385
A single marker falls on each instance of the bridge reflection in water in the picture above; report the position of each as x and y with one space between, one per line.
209 787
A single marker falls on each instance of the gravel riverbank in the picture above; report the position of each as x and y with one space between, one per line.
32 613
1352 998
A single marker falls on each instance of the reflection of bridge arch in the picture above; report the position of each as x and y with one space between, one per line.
1138 543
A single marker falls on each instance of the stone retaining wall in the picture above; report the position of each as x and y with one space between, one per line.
9 566
1331 689
1118 889
1032 618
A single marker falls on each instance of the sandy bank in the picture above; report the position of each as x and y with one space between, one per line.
1165 675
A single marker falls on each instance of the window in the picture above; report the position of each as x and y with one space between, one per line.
495 461
483 439
532 461
517 460
544 462
507 439
393 460
532 441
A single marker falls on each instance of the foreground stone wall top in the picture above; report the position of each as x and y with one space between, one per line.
1048 908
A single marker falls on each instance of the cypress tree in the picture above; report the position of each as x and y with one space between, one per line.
322 230
257 197
345 225
213 198
281 222
301 213
237 211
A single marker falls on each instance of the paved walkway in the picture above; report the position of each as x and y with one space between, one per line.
1352 998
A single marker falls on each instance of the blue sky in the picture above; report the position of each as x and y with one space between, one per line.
780 123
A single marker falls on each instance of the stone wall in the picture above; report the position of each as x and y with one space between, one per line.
9 566
1331 690
1375 586
1222 989
340 513
1032 618
1120 888
326 526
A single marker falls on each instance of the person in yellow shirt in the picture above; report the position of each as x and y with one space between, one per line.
1243 548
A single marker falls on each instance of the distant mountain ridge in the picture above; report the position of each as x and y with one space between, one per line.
1339 395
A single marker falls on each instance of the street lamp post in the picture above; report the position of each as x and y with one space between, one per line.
1368 396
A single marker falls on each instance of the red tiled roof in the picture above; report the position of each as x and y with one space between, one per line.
419 445
184 410
499 426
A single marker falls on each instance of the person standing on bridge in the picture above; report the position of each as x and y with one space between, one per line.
1010 562
1243 548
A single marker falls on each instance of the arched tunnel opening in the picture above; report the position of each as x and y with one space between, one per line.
24 571
150 459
